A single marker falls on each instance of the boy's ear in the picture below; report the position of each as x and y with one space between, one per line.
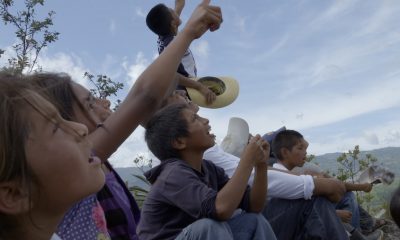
179 143
13 198
285 153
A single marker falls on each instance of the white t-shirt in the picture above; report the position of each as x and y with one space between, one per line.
280 184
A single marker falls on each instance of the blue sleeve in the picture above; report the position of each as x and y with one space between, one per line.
186 191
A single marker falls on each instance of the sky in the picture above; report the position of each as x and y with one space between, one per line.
328 69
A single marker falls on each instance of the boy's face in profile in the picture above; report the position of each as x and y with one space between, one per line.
175 22
199 137
297 156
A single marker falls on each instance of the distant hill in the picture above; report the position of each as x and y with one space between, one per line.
388 157
127 174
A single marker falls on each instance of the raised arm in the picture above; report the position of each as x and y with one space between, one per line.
230 196
179 5
153 84
258 193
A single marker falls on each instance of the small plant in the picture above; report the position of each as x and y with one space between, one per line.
350 165
140 193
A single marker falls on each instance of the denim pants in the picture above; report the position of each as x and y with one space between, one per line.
349 203
304 219
241 227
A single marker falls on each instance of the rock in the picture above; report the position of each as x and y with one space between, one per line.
391 231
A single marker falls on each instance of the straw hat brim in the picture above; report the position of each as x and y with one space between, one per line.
226 89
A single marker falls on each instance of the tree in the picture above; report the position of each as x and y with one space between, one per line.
350 165
32 34
104 87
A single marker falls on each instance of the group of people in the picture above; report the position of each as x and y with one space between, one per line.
56 181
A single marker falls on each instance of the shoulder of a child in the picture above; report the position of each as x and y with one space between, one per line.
176 170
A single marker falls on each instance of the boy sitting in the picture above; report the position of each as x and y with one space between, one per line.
191 198
290 148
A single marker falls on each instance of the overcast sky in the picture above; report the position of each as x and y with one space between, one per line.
329 69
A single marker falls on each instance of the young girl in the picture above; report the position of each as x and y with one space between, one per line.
46 163
109 130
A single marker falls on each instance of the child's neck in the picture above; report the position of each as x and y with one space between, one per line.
38 226
193 158
288 166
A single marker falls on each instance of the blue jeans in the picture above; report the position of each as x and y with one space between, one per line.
349 203
304 219
250 226
243 226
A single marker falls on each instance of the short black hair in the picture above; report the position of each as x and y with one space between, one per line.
167 125
285 139
159 20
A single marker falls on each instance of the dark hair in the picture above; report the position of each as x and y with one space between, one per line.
57 89
395 206
159 20
164 127
285 139
15 122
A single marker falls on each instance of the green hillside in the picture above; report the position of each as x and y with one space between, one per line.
388 157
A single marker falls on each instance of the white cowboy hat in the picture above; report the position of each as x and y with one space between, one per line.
237 137
376 174
226 89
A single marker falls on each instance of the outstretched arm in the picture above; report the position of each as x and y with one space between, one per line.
179 5
153 84
330 188
365 187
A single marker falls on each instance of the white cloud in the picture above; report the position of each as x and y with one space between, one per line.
371 139
134 70
140 13
375 137
130 149
240 23
112 27
62 62
201 49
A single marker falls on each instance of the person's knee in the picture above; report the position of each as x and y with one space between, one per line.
204 223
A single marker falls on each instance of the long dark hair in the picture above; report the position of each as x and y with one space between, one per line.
56 87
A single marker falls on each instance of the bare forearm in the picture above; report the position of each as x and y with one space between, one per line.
258 192
179 5
357 186
332 189
187 82
230 196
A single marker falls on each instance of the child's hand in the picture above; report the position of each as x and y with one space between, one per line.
257 151
344 215
203 18
208 94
